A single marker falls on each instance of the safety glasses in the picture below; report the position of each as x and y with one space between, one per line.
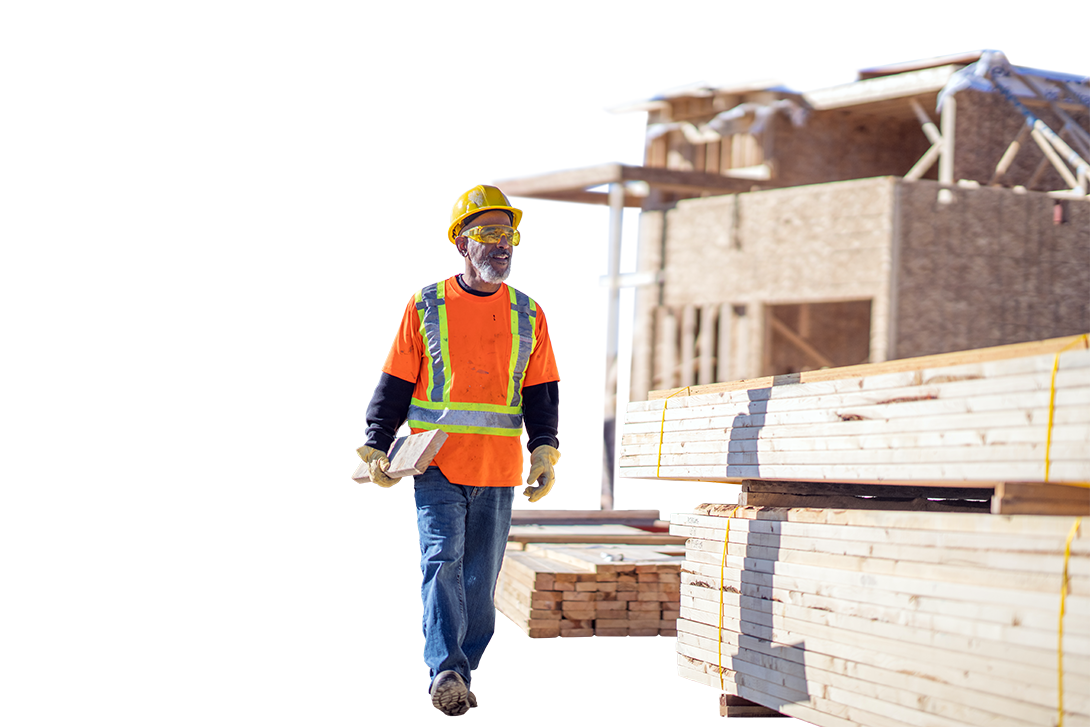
491 234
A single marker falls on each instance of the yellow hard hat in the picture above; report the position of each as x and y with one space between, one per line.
480 199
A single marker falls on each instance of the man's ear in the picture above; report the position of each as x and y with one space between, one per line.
460 243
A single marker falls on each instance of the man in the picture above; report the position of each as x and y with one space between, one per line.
472 357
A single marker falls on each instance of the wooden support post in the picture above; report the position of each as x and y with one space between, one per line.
946 159
768 137
616 210
726 159
656 153
666 348
712 157
700 154
726 331
688 345
706 343
732 706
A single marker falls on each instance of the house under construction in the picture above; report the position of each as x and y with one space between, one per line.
905 548
925 208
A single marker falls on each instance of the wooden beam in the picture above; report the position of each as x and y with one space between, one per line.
1040 498
929 129
569 180
572 185
634 201
1008 155
679 181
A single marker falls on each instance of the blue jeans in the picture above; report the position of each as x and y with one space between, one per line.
463 533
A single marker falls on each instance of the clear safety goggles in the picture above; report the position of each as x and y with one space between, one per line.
492 234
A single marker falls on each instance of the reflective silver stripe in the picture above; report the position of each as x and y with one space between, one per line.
464 418
526 311
431 330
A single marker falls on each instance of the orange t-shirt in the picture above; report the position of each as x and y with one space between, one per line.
479 344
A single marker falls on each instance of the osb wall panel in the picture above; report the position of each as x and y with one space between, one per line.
838 145
811 243
986 125
990 268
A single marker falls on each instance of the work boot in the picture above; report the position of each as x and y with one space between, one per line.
449 694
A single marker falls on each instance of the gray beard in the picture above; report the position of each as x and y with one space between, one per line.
478 257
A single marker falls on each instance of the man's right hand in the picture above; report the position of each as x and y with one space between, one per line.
377 466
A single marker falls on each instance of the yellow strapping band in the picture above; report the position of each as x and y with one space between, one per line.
722 588
662 426
1084 339
1063 609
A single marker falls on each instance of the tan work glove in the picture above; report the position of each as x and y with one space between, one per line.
542 460
377 466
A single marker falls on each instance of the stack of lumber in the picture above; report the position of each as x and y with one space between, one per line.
976 417
573 589
863 617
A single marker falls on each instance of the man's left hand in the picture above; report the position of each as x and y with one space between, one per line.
541 471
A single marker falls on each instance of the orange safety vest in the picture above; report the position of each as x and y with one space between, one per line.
470 357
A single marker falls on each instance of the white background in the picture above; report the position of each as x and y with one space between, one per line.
174 286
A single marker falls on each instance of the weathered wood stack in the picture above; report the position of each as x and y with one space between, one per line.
847 617
973 417
870 573
573 589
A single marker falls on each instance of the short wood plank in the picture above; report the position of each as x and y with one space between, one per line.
408 456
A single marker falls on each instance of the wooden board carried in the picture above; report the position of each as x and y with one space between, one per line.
408 456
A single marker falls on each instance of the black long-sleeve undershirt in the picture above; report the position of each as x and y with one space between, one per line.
389 408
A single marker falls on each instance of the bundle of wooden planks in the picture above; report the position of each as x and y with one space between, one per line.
1010 414
573 589
861 617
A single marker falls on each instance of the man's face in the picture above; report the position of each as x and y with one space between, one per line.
492 262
